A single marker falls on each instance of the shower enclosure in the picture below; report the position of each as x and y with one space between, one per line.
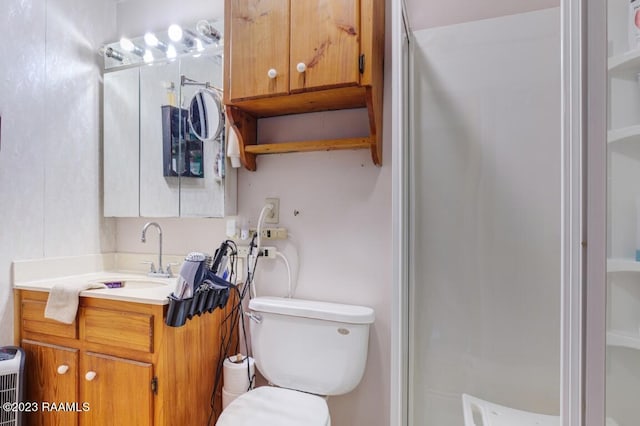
499 221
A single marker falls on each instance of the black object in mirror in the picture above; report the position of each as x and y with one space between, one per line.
205 115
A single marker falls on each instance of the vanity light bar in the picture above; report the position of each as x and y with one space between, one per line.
129 51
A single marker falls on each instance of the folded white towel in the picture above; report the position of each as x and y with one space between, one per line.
62 304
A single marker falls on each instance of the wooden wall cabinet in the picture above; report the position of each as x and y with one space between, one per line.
121 360
290 57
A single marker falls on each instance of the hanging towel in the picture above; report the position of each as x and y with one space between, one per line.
62 304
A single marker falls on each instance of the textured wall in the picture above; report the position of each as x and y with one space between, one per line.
50 168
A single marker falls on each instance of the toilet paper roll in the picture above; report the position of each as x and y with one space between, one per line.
237 376
228 397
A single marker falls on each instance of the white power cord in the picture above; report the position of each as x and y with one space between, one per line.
286 262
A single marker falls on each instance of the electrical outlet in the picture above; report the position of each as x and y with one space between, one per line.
271 233
270 252
274 215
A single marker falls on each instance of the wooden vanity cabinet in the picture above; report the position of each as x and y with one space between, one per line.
120 360
289 57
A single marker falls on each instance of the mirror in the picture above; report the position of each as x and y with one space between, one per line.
205 115
164 141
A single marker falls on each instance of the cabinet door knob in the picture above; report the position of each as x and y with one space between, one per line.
90 376
301 67
272 73
62 369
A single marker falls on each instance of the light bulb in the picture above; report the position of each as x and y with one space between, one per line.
130 46
148 56
151 39
171 52
127 44
175 32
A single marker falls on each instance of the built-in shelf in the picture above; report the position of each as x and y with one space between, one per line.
624 135
623 265
626 64
623 339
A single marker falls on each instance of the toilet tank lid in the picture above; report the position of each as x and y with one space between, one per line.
327 311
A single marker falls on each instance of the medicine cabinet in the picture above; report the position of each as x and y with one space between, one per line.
154 165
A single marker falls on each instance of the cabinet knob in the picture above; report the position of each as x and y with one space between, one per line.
62 369
90 376
272 73
301 67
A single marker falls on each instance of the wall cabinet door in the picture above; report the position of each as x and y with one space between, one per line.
116 389
310 45
325 44
260 42
50 376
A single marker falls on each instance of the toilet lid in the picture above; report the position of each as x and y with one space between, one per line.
271 406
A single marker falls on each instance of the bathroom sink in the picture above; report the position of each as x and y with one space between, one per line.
135 283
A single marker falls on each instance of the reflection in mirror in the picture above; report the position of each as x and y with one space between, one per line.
205 115
151 146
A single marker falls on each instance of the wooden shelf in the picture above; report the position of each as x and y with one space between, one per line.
243 121
305 146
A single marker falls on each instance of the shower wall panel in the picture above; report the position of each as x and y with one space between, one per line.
485 292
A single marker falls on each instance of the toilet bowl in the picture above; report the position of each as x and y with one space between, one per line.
306 350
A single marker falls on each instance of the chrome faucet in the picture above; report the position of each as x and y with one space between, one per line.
160 272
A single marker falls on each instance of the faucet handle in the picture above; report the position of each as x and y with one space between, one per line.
152 267
169 271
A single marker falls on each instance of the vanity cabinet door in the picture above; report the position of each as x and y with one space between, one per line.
50 377
116 389
259 63
325 44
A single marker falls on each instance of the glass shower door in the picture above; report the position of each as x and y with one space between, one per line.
485 271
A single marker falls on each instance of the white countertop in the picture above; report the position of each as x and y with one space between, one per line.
138 287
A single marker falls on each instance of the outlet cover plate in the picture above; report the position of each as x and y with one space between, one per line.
274 215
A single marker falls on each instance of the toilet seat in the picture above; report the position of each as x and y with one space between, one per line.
272 406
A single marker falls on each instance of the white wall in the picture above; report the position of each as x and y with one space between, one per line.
486 295
340 239
50 166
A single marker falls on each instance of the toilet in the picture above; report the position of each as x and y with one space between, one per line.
307 350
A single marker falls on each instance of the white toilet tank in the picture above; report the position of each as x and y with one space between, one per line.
311 346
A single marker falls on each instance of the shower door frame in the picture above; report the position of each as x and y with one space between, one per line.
399 392
584 204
